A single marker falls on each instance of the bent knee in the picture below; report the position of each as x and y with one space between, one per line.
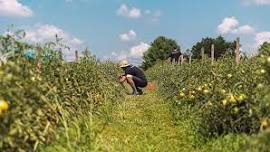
129 76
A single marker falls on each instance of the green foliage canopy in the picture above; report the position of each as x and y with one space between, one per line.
159 50
221 47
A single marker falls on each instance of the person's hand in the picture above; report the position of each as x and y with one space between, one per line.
122 79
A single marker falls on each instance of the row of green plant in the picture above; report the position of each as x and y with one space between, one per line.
218 99
36 100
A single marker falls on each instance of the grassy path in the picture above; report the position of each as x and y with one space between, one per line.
136 124
141 123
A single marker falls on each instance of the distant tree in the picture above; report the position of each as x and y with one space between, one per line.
160 50
265 48
221 47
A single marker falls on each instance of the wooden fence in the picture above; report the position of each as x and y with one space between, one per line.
237 53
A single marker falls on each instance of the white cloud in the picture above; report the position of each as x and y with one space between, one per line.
47 33
130 35
147 12
231 25
135 13
14 8
243 30
156 15
262 37
134 54
153 15
257 2
227 25
138 50
132 12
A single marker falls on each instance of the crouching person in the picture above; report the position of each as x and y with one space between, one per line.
133 76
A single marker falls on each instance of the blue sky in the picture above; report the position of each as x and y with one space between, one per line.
118 29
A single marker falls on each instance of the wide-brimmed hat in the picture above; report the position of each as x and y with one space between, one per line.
124 63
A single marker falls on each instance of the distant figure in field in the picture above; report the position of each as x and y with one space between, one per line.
175 55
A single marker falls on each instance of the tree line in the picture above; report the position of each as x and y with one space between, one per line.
161 48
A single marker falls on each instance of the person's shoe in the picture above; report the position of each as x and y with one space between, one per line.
134 93
140 92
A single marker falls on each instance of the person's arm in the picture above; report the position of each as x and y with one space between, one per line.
122 78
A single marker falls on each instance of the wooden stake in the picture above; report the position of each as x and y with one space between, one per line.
38 65
77 56
237 51
202 53
182 59
61 55
212 53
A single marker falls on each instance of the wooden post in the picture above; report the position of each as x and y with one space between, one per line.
202 53
212 53
38 53
237 51
61 54
38 70
190 58
77 56
182 59
38 65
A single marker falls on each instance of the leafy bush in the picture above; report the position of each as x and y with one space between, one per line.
227 98
39 103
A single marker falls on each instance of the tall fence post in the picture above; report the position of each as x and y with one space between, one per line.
77 56
190 58
202 53
61 54
237 51
212 53
38 65
182 59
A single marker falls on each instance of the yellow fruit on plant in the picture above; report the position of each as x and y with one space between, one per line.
33 78
263 71
264 124
209 103
232 99
206 91
260 86
235 110
225 102
192 97
181 94
199 88
268 59
229 75
223 91
241 97
250 111
39 78
205 85
192 92
3 105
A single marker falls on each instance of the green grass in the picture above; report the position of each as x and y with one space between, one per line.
141 124
135 124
